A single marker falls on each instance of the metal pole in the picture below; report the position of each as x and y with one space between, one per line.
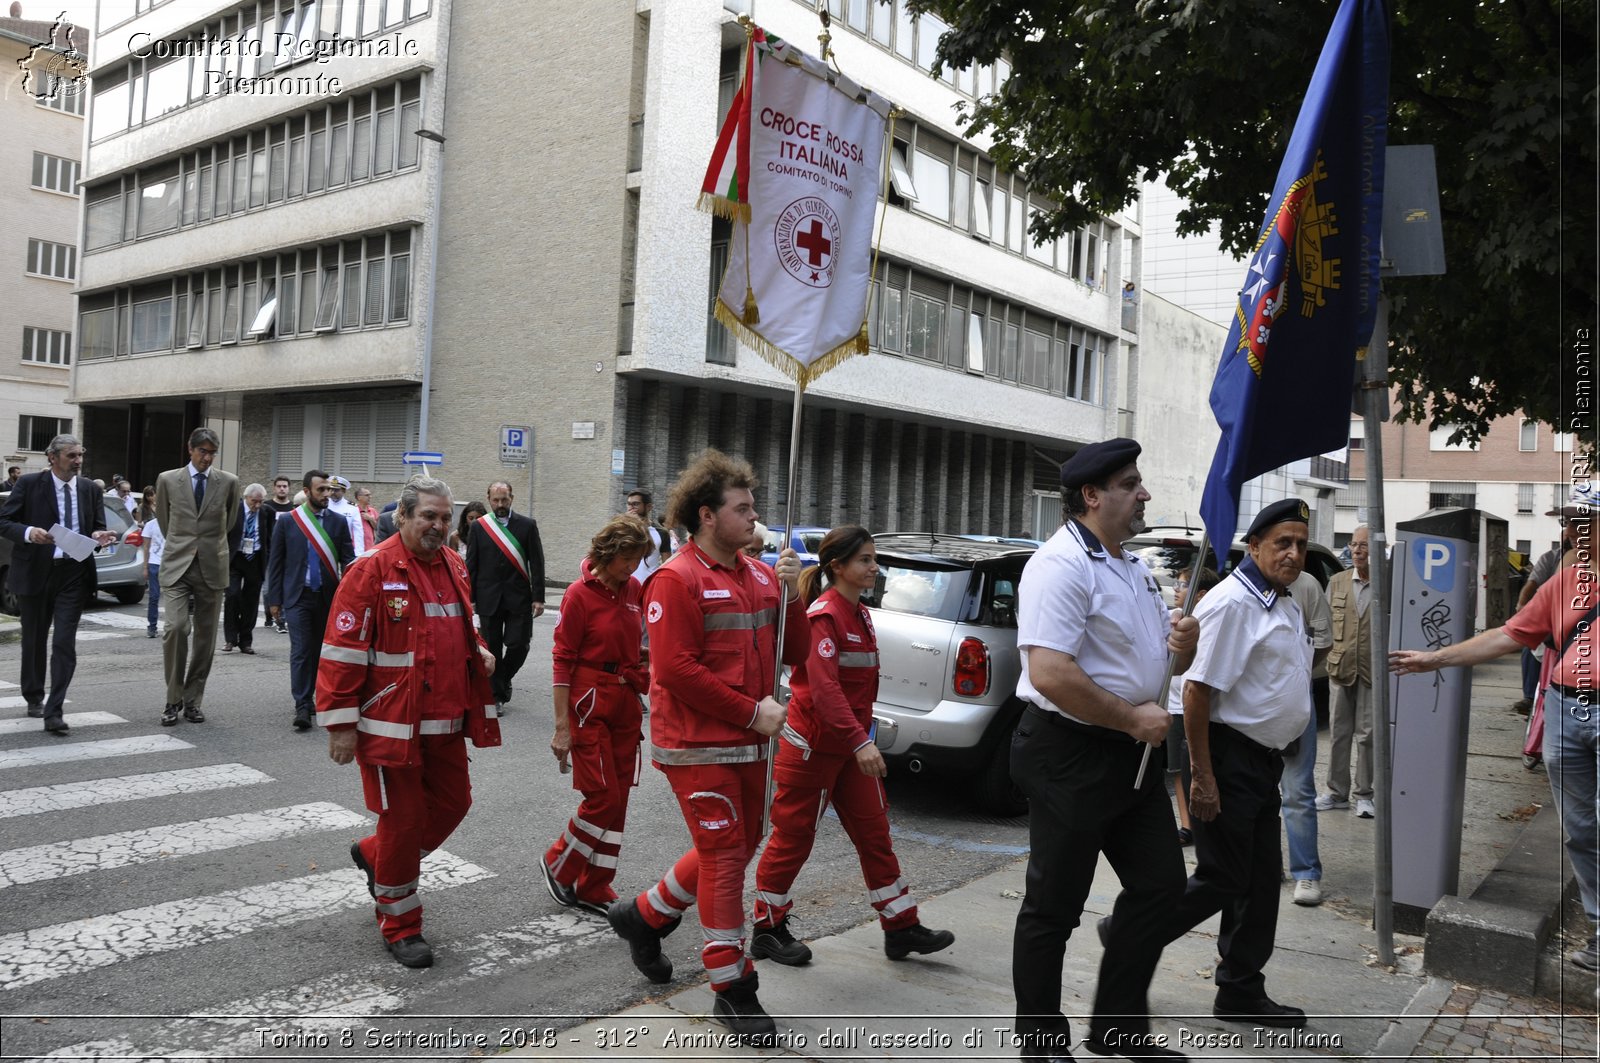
783 610
1172 658
1375 386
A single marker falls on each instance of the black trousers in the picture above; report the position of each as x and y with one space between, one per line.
242 602
508 634
65 591
1082 804
1239 864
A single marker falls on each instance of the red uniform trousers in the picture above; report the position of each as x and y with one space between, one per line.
804 788
722 805
418 807
604 720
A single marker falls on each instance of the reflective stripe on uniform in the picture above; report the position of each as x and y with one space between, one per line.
676 888
394 891
898 905
605 837
740 621
708 754
887 893
731 973
343 654
435 609
391 660
777 900
723 935
603 860
659 903
329 717
385 729
858 660
441 727
401 907
578 846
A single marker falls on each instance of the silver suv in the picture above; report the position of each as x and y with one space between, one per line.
945 612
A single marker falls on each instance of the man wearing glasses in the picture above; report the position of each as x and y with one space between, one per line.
197 506
639 502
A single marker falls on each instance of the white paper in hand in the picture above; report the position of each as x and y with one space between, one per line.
78 547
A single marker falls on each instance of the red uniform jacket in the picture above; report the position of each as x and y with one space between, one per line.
713 641
374 653
599 630
835 686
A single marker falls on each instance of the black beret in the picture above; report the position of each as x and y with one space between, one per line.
1287 509
1096 461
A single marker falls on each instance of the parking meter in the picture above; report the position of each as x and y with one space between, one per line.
1433 602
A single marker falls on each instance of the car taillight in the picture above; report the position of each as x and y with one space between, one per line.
134 537
972 669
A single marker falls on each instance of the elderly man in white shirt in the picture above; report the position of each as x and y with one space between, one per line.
1246 698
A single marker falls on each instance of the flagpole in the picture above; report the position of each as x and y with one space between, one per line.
783 608
1375 385
1172 658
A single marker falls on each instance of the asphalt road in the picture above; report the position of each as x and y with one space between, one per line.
187 890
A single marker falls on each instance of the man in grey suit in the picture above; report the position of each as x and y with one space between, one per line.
197 507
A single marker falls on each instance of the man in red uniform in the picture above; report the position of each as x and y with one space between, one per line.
404 680
712 615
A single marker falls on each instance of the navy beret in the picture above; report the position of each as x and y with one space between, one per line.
1096 461
1287 509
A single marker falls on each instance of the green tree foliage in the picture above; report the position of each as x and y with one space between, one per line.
1106 94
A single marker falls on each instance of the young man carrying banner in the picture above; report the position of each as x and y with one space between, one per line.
309 554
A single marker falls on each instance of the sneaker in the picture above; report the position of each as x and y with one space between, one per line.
1587 957
171 714
365 868
737 1008
775 943
1307 892
898 944
1329 802
149 632
644 940
1365 808
411 952
1522 706
302 719
192 713
562 895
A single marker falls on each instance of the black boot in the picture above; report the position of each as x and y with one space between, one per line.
644 940
775 943
737 1008
898 944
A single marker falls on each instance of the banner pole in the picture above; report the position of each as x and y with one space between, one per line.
1172 658
783 608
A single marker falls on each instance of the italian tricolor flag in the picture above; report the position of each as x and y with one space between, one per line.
508 545
725 191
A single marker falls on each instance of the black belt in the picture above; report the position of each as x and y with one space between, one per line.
1237 735
604 666
1573 692
1057 719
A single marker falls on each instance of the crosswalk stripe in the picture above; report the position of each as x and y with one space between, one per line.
124 620
111 747
17 701
33 800
79 856
48 952
91 636
74 719
366 991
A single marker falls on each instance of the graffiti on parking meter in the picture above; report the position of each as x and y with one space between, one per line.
1436 626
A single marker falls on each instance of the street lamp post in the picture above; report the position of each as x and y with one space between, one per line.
433 285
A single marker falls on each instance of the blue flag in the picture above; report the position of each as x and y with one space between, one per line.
1283 388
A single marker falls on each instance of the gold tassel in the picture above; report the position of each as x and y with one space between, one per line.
782 360
752 312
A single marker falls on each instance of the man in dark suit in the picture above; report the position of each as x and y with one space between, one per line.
50 586
249 543
386 524
310 550
505 562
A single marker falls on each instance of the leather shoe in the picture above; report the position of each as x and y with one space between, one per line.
192 713
411 952
36 711
171 714
364 867
302 720
1262 1011
55 724
247 649
227 647
644 940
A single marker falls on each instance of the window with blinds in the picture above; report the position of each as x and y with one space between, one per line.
357 440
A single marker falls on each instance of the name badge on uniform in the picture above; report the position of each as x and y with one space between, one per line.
391 585
723 593
852 636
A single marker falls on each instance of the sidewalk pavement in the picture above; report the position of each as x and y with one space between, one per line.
852 1003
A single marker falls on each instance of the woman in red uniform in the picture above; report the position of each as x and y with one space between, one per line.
828 755
597 683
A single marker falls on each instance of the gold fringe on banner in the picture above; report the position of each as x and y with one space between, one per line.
779 359
723 207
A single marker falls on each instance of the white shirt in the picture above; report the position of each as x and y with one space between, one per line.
352 516
156 541
1107 612
652 560
76 523
1255 654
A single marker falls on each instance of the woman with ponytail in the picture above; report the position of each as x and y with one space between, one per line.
827 755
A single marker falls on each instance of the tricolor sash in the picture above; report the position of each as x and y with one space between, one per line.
501 536
317 536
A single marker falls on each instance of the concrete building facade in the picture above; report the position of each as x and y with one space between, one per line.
40 164
264 260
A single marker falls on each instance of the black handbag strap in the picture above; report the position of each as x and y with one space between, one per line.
1582 625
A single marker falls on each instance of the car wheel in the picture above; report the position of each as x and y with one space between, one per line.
128 595
997 794
8 601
